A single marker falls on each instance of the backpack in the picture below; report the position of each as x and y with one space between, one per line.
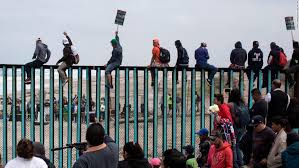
75 55
227 128
282 59
164 55
242 115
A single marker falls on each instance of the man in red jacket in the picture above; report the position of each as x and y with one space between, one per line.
220 154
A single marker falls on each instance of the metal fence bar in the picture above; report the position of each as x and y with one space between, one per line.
70 117
183 120
23 99
174 108
202 121
88 80
145 101
193 106
127 112
51 138
212 93
155 116
241 82
260 80
165 111
98 93
221 86
60 125
4 145
251 75
41 106
107 106
13 112
117 106
135 92
269 82
79 109
32 105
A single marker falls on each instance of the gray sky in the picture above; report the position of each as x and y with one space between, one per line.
90 24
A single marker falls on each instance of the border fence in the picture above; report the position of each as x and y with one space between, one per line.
162 116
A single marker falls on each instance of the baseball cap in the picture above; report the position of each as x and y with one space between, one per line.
202 131
155 162
256 120
189 149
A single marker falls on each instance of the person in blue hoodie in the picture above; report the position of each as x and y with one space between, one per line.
255 60
202 56
290 157
41 55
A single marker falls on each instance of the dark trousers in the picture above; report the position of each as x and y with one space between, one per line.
180 68
34 64
289 71
255 72
274 73
210 68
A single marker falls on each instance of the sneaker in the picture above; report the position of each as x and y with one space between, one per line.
209 82
65 82
27 81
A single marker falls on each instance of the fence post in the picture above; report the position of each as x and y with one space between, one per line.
145 101
165 111
98 94
79 108
23 97
212 92
135 78
250 88
70 117
51 138
193 107
117 106
41 106
202 119
88 96
174 107
183 117
61 112
4 75
32 105
155 116
127 93
13 113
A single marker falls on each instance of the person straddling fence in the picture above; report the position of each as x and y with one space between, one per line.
101 151
238 58
202 57
67 60
255 60
115 60
294 64
159 58
26 157
183 58
133 157
41 55
276 61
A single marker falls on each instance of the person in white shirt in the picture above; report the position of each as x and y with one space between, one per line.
25 158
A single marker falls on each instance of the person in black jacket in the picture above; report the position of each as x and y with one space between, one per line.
133 157
294 64
115 60
255 60
67 59
238 57
183 58
273 63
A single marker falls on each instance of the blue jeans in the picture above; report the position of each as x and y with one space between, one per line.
210 68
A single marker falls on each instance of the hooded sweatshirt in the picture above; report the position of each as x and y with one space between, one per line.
201 56
134 163
117 53
183 58
67 54
238 55
275 53
290 157
295 55
255 58
42 53
222 157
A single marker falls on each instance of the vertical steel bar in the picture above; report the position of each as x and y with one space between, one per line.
193 106
70 116
61 113
135 77
98 90
32 105
183 117
241 82
41 107
127 113
212 93
155 116
117 106
88 80
260 80
221 81
79 108
145 101
51 138
23 97
174 108
165 104
107 107
202 117
269 81
231 77
4 145
13 112
250 88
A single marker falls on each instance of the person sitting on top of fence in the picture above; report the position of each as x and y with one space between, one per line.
41 55
115 60
133 157
26 157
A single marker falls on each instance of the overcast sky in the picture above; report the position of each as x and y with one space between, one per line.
90 24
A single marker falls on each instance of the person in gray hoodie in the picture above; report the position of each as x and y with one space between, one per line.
41 55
